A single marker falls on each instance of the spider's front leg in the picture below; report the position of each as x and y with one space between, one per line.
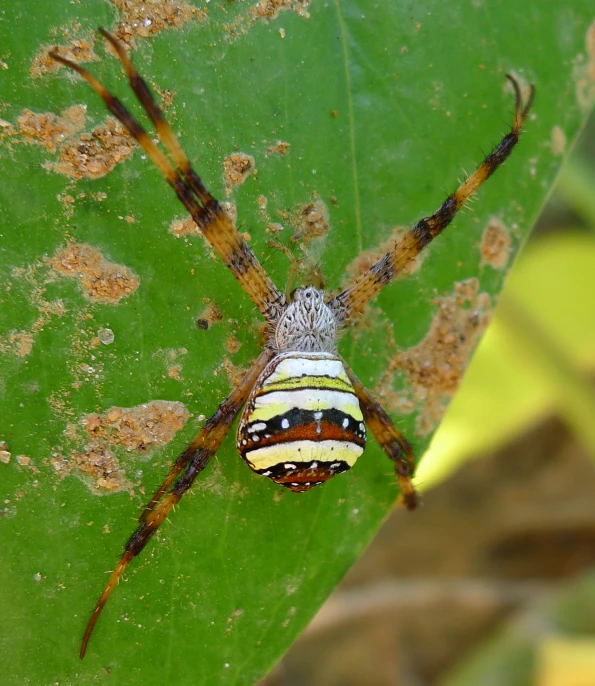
351 301
391 440
194 459
204 209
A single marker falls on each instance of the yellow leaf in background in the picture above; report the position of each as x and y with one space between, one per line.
566 662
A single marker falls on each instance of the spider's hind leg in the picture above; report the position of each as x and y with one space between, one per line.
193 460
391 440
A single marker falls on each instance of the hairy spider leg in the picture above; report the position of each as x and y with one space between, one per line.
391 440
195 458
355 296
209 216
166 135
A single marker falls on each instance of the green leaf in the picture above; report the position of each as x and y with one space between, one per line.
382 106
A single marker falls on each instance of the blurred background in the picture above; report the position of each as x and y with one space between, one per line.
492 582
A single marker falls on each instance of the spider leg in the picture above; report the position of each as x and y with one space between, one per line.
214 429
391 440
194 459
359 292
215 224
166 135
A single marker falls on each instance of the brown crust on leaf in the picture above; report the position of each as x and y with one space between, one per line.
102 281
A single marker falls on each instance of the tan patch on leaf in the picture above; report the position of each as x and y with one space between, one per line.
102 281
143 19
279 148
209 316
435 366
78 50
311 221
495 246
267 10
21 342
368 258
173 358
94 154
558 141
5 454
184 227
584 72
237 167
234 373
81 154
120 434
34 279
232 344
48 129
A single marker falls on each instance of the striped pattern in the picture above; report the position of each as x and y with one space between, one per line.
302 423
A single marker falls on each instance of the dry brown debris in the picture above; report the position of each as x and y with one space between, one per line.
94 154
280 148
266 11
184 227
79 50
146 18
495 246
175 372
232 344
269 9
209 316
33 278
435 366
21 342
237 167
48 129
234 373
311 221
102 281
81 154
118 431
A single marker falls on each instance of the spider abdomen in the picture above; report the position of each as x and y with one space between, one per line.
302 423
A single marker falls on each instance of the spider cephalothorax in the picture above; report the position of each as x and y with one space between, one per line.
305 411
307 324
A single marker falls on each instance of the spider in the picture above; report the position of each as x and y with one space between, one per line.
305 412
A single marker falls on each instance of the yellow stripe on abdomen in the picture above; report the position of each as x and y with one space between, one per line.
297 453
280 402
